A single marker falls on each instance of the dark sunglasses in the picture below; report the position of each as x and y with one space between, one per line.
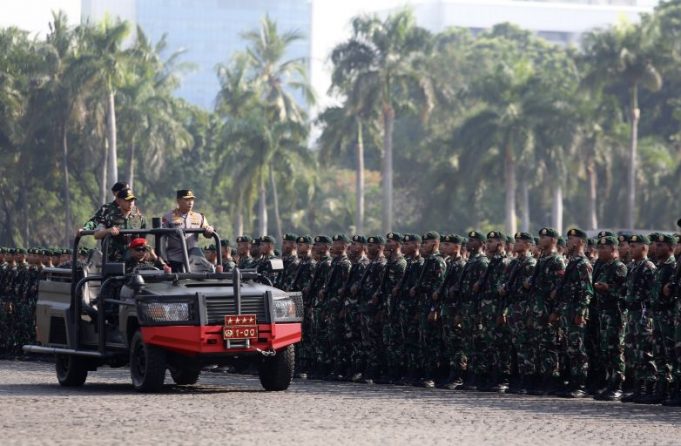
140 249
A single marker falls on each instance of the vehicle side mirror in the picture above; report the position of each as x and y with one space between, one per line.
113 269
276 265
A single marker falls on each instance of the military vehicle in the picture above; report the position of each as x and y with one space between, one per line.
98 314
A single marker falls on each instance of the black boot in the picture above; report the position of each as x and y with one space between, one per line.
521 387
535 385
638 389
453 381
576 389
674 397
498 383
657 395
614 393
471 381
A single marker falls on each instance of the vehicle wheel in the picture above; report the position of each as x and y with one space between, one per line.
147 365
185 376
276 372
71 370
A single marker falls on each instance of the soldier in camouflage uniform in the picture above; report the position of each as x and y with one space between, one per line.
492 361
331 302
609 290
301 282
388 313
673 289
228 263
365 290
244 259
572 311
317 333
350 314
663 316
125 216
431 279
263 266
290 258
451 330
640 283
545 333
408 308
105 209
517 306
465 306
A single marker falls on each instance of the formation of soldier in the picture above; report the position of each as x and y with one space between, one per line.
20 272
573 316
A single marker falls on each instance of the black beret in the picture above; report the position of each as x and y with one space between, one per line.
224 243
412 238
535 240
509 239
431 235
359 239
476 235
267 239
523 236
496 235
590 241
665 238
623 238
549 232
290 237
304 239
378 239
576 232
341 238
639 238
244 239
322 239
608 240
561 241
453 238
606 234
211 248
396 236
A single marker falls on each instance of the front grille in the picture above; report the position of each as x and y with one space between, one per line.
218 307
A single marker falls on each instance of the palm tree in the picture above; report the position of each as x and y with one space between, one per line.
379 64
626 54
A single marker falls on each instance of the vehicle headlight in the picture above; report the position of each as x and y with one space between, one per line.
288 309
166 311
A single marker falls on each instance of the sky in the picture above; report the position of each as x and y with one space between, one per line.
35 15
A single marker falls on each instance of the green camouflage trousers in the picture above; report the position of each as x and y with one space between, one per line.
640 343
611 341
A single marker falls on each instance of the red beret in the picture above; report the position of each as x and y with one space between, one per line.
137 242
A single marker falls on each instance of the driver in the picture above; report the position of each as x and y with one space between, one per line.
140 256
184 217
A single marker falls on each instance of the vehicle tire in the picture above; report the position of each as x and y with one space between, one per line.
185 376
147 365
71 370
276 372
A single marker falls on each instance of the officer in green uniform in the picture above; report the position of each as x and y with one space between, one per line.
465 305
125 216
610 280
545 331
322 245
106 208
350 314
388 315
228 263
639 299
243 252
290 258
517 307
263 266
431 279
452 334
572 298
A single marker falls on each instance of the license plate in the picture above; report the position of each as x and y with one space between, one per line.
243 326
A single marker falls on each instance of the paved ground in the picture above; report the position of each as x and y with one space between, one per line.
232 409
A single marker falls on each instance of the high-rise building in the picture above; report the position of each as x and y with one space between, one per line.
209 30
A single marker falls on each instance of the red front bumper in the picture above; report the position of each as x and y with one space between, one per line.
208 339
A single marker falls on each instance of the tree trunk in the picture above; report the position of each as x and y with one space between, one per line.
103 189
557 208
111 124
359 178
262 209
631 180
68 229
131 165
388 124
275 202
509 174
525 197
592 180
